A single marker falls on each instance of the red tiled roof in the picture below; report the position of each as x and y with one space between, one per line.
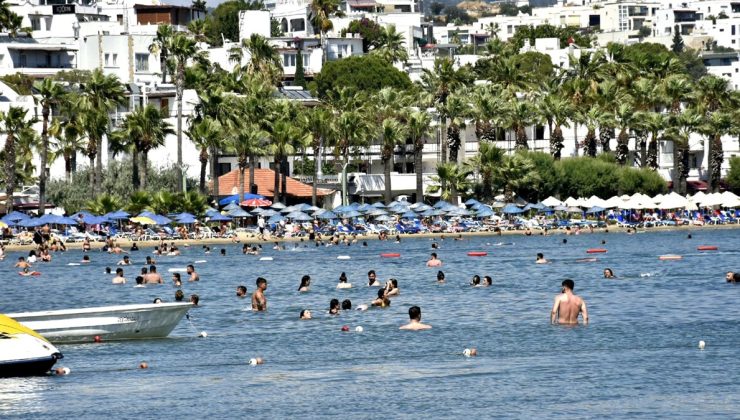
228 184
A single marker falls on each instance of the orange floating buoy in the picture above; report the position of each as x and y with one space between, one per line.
670 257
707 248
596 251
390 255
477 254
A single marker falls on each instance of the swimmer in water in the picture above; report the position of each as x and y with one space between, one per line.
27 272
391 288
609 274
124 261
732 277
372 279
434 261
382 300
334 307
139 281
305 314
346 305
541 259
415 321
343 284
475 282
259 302
119 279
176 279
241 291
440 277
85 259
567 306
305 282
22 263
487 281
193 276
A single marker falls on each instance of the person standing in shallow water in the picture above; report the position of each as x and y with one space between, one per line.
415 320
259 302
568 305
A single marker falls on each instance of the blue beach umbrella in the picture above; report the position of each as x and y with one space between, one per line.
595 209
30 223
409 215
351 213
433 212
327 215
278 205
301 217
186 219
219 218
15 217
384 218
66 221
378 205
95 220
471 202
511 209
269 213
441 204
231 206
118 215
238 212
484 212
275 218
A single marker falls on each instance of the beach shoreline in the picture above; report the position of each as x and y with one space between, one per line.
250 238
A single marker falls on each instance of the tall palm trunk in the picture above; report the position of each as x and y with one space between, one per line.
284 176
276 187
92 176
179 90
418 170
575 133
136 177
622 147
214 173
99 166
652 154
203 163
316 162
9 171
44 160
251 172
641 136
144 170
716 157
241 183
67 168
387 176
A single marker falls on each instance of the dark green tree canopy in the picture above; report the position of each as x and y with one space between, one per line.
224 19
370 31
361 73
549 31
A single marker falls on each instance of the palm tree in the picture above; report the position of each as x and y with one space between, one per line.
391 46
161 46
419 125
67 143
206 135
625 117
515 172
284 134
147 129
714 127
318 123
48 93
558 111
264 58
138 201
493 29
392 133
104 203
100 95
12 124
352 131
181 49
591 119
654 123
198 29
246 141
456 110
676 89
320 14
489 157
521 114
488 109
452 179
680 128
581 81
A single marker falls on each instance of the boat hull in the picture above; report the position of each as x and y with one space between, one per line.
23 352
33 367
110 323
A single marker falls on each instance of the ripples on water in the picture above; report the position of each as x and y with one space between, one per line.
638 358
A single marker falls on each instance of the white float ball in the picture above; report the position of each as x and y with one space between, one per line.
702 344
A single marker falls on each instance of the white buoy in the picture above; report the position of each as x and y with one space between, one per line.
265 258
200 261
344 257
466 353
702 344
203 334
359 328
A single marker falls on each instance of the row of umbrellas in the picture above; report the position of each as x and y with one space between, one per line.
640 201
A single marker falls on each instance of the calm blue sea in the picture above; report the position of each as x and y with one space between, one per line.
638 358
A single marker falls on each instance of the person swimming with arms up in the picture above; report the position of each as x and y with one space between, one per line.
382 300
567 306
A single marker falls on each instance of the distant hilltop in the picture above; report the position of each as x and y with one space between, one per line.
478 8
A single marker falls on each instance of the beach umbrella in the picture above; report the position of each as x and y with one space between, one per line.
376 212
183 214
302 207
232 206
15 216
351 213
552 202
219 218
327 215
340 209
457 211
729 199
235 198
378 204
409 215
269 213
441 204
574 209
420 207
238 212
66 221
471 201
186 219
160 220
511 209
545 209
673 201
117 215
312 208
3 225
498 204
261 202
529 206
30 223
289 209
258 210
384 218
560 208
278 206
433 212
275 218
299 216
94 220
484 212
143 220
595 209
365 208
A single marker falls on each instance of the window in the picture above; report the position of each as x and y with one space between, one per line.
306 60
733 29
288 60
36 23
539 132
114 60
164 105
142 62
111 60
107 60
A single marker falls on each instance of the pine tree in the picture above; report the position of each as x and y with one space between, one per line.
300 78
677 45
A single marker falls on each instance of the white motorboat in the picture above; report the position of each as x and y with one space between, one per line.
23 352
123 322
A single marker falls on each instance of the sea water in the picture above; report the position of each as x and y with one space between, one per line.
639 357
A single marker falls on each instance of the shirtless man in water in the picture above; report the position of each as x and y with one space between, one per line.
567 306
259 303
415 320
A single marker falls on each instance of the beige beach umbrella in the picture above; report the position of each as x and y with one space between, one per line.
673 201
